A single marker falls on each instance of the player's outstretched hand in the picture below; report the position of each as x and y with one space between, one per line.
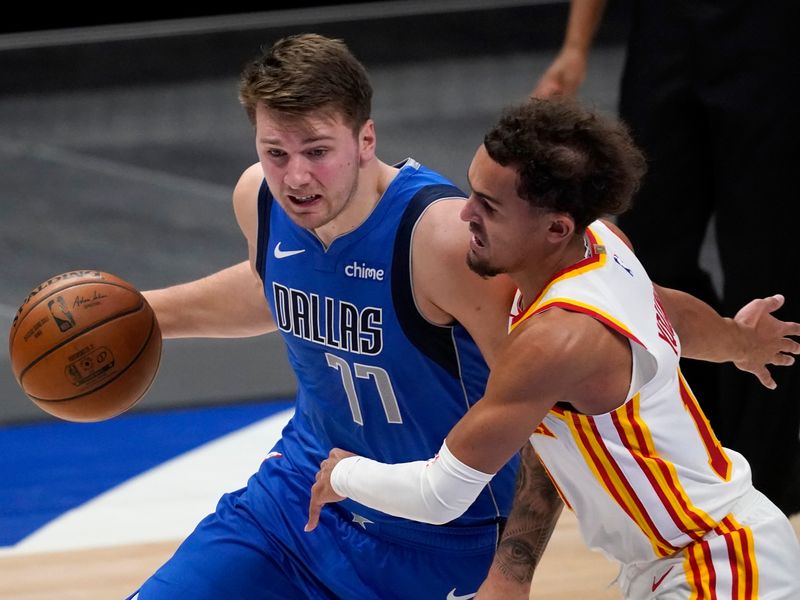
322 491
767 341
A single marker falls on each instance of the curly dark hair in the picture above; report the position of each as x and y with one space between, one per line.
569 159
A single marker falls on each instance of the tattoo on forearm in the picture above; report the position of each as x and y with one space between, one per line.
533 517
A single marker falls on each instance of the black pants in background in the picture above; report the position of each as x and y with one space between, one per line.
706 92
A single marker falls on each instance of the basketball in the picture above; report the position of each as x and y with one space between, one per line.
85 346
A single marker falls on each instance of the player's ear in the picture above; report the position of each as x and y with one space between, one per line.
562 226
367 141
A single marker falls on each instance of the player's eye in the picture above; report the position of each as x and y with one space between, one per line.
486 206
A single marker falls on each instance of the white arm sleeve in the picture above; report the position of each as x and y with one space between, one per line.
433 491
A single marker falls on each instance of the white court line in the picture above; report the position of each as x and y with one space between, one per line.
116 169
165 502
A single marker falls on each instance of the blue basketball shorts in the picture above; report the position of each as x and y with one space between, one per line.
254 547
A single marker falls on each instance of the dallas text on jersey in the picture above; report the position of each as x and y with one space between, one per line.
328 321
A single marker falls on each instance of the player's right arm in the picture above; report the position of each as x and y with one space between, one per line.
566 73
230 302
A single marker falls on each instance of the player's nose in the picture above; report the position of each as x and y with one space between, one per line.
468 212
297 173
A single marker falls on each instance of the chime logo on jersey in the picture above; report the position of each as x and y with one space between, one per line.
328 321
363 271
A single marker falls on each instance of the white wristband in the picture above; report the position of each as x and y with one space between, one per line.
433 491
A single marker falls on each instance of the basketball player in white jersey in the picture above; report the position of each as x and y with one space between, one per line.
590 374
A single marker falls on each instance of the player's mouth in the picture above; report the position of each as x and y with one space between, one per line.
303 200
477 240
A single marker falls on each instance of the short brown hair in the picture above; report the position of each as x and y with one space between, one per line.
304 73
569 159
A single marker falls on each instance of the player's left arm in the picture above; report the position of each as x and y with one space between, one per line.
530 524
752 339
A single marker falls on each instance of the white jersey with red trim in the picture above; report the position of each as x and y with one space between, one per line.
649 478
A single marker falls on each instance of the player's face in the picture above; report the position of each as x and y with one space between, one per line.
506 229
311 164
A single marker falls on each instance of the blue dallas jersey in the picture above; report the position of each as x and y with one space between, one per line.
374 377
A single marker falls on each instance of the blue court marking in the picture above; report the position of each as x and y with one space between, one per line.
48 469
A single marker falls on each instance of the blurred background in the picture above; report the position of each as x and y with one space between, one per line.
121 139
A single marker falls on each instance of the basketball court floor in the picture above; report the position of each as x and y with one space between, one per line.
103 522
135 179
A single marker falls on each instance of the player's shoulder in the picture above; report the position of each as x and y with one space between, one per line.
245 199
249 183
440 229
617 231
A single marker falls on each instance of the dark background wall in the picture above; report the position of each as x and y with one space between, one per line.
193 45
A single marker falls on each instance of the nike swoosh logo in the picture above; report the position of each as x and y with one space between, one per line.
452 595
661 579
285 253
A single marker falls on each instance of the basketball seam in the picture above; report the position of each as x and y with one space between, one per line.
117 376
79 334
43 298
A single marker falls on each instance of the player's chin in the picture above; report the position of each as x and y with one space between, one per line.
309 219
481 265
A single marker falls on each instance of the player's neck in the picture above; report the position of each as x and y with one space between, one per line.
538 271
372 183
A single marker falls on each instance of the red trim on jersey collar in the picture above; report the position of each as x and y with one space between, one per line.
596 254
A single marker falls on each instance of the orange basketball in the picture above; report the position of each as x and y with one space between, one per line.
85 346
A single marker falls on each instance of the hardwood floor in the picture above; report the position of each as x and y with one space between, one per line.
568 570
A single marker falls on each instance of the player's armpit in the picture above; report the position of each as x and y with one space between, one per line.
531 521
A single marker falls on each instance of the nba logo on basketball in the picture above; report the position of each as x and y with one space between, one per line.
61 315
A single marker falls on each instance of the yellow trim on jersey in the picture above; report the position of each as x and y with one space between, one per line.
543 429
714 449
589 309
698 572
689 518
590 445
744 556
690 577
600 256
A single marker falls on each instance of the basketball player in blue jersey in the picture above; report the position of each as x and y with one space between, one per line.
362 265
